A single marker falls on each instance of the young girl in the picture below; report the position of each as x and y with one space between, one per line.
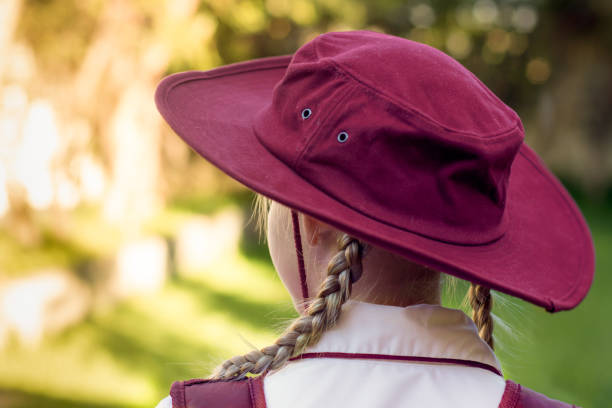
385 163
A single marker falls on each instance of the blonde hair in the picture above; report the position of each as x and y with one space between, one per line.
324 309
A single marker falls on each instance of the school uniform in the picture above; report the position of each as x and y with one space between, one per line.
377 356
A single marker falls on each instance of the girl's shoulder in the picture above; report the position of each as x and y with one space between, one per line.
248 393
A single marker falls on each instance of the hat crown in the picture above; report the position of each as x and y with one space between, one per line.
416 76
429 146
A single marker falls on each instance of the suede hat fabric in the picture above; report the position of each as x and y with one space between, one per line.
399 145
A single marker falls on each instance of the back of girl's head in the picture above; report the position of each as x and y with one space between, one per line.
329 256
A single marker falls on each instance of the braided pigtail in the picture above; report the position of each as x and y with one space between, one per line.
482 302
322 313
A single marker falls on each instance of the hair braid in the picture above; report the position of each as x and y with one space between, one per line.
482 302
322 313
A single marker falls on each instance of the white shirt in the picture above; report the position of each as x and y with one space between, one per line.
428 331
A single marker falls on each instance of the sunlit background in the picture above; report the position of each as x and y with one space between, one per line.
127 262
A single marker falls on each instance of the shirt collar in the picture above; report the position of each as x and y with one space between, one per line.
421 330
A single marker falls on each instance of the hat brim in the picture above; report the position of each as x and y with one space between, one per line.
546 256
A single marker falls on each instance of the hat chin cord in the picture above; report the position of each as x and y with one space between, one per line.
297 237
356 270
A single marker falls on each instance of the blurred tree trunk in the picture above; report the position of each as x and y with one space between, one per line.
122 66
9 16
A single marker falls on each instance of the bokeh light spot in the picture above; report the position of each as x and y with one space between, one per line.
279 28
485 12
459 44
422 15
524 18
278 8
303 12
498 40
538 71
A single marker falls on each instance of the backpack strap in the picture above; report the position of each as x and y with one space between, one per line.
517 396
199 393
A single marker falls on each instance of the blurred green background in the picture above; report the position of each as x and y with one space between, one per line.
127 262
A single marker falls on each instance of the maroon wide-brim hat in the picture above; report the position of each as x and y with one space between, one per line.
396 144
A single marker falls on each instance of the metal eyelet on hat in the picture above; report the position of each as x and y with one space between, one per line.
306 113
343 136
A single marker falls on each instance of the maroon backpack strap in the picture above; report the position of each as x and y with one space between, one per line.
198 393
517 396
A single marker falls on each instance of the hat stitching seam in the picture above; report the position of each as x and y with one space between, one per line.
578 225
500 134
499 138
242 67
236 69
188 76
219 75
